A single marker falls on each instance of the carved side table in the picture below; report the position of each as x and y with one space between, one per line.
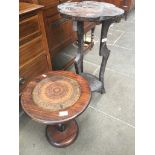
92 11
56 99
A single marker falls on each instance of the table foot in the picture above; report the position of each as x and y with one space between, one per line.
95 84
103 90
62 135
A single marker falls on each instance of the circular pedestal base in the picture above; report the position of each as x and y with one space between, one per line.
60 138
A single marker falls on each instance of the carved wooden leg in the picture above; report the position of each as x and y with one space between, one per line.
104 51
125 15
79 58
102 70
92 37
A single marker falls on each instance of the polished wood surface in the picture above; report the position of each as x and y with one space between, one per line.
27 8
29 29
47 116
62 135
47 99
34 57
26 53
36 66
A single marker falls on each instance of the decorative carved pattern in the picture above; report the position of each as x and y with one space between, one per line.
79 57
56 93
92 36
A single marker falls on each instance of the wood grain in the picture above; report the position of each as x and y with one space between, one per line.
34 57
26 54
33 68
63 138
27 8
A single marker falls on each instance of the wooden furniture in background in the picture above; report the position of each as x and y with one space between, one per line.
126 5
56 98
34 57
59 31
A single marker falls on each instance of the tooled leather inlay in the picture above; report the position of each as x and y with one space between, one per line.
56 93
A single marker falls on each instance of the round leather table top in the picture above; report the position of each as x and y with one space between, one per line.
56 92
55 97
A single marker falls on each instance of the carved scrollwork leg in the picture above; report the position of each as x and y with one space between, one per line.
125 15
92 37
104 51
79 58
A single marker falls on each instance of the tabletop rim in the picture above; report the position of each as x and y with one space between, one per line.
52 117
95 18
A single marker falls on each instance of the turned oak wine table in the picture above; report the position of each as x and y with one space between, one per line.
91 11
56 99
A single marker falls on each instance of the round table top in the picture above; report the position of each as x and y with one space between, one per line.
89 11
56 97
